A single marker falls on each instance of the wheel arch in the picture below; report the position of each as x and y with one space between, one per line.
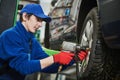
84 8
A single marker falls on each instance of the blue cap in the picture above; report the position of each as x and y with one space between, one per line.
36 10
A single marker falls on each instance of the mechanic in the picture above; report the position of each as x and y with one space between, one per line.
22 54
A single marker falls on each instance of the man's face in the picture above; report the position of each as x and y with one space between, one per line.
32 23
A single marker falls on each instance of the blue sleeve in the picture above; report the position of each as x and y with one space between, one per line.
37 51
16 55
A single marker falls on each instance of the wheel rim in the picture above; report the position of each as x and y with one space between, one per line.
86 40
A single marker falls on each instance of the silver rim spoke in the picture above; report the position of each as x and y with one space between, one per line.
86 40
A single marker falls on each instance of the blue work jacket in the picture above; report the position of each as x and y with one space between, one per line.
22 59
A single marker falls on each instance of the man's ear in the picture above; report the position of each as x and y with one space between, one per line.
24 16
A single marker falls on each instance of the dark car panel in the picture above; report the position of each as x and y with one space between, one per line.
110 22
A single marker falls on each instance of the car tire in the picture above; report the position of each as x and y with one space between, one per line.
93 67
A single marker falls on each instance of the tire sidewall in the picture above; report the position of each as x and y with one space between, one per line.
92 15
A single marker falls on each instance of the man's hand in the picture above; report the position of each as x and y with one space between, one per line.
82 55
63 58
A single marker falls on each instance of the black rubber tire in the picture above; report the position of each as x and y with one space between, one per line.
95 67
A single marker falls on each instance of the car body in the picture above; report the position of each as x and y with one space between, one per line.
108 21
91 23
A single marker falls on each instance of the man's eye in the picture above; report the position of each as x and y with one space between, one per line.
39 19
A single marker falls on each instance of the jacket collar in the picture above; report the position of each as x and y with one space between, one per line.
23 32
